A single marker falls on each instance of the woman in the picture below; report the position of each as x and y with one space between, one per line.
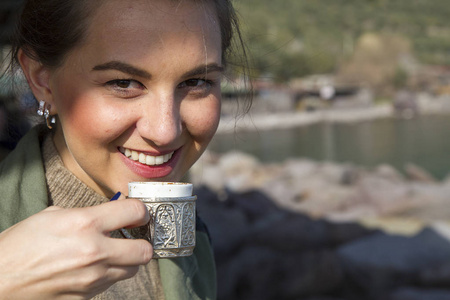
131 92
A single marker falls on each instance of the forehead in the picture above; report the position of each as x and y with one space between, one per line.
159 12
145 25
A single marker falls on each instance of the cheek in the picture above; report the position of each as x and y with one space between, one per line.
75 104
78 116
202 119
87 115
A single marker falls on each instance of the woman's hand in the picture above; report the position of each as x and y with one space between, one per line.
68 253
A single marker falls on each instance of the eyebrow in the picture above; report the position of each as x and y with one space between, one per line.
122 67
205 69
131 70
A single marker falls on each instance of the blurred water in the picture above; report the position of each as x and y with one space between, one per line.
424 141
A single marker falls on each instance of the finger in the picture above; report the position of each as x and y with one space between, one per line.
113 215
129 252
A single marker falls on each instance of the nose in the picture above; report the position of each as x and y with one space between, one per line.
160 120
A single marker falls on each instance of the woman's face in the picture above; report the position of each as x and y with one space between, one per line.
139 100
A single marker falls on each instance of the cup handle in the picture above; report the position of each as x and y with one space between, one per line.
126 234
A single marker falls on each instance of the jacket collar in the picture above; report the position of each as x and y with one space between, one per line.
22 178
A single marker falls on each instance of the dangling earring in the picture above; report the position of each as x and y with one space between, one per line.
40 110
44 110
49 119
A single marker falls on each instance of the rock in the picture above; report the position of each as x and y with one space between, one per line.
295 232
385 196
254 204
351 213
236 276
298 169
259 273
235 162
416 173
380 262
332 173
395 225
442 227
238 170
309 273
350 176
280 190
413 293
228 226
324 298
291 232
430 202
390 173
210 176
328 201
437 276
342 233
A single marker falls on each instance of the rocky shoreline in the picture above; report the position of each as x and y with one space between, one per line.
333 191
313 230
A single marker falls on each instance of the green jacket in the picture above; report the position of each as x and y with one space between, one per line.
23 193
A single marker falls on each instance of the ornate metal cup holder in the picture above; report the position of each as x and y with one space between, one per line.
171 229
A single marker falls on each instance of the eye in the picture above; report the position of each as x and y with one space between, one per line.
195 83
123 84
125 87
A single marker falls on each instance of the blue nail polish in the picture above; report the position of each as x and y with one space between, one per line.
116 196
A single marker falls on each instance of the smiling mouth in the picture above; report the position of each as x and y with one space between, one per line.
145 159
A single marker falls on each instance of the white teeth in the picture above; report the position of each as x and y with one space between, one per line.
159 160
134 155
151 160
146 159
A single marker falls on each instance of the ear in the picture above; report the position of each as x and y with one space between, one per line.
38 77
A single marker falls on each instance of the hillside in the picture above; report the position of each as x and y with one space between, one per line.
290 38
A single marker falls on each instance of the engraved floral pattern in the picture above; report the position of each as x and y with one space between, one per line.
188 236
171 229
165 227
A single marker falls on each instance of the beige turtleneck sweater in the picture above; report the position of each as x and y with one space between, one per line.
67 191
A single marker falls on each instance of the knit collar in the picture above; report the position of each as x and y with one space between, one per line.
64 188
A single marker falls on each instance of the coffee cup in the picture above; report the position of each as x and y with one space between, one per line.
171 206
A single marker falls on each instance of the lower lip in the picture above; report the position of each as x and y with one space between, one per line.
149 172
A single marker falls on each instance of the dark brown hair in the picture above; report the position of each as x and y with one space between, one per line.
48 29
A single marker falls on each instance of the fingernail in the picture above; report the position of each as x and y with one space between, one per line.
116 196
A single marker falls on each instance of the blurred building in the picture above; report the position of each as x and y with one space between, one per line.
8 12
321 91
